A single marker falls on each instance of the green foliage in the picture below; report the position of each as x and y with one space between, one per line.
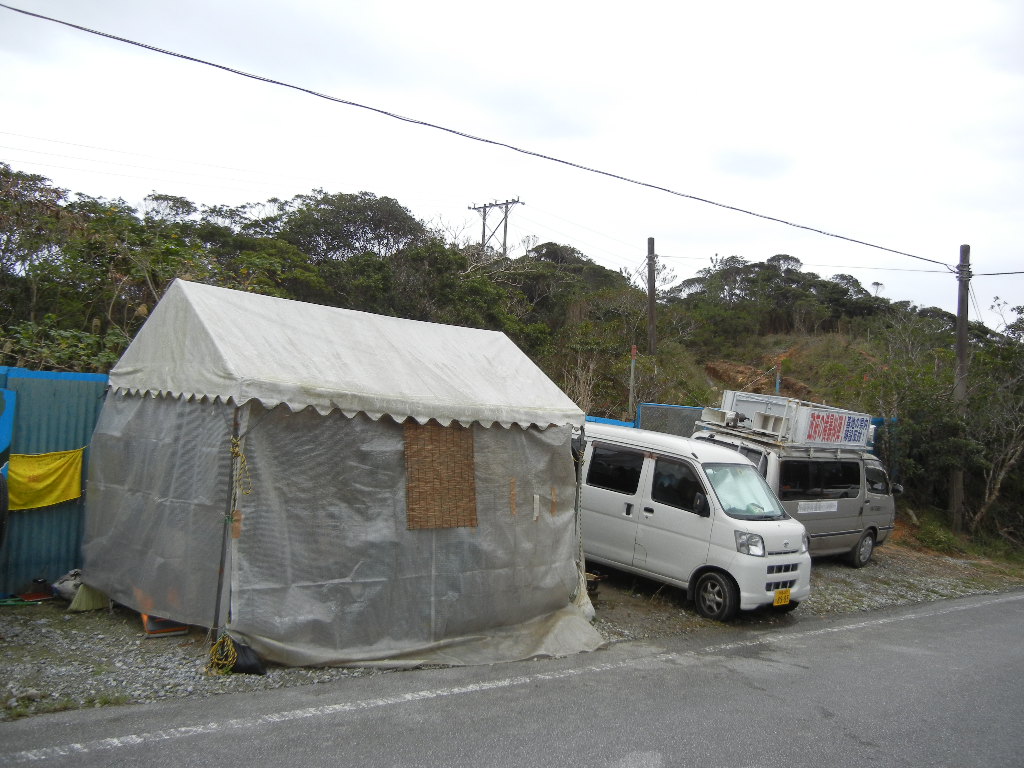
45 346
937 536
78 277
337 226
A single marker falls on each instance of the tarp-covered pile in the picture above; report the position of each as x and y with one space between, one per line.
377 490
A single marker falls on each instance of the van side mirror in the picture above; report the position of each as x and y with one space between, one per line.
896 488
701 506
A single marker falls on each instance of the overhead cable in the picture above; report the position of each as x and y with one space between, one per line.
471 136
124 152
835 266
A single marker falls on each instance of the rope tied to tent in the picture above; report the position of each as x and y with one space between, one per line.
243 481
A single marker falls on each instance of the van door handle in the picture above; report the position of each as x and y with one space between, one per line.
649 510
629 509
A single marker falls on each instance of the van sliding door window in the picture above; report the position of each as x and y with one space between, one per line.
615 470
675 484
803 479
840 479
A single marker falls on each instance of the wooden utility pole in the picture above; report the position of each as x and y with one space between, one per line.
651 298
485 236
956 480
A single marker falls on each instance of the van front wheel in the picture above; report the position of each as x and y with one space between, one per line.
716 597
860 554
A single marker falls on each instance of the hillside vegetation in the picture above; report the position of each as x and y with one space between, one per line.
79 275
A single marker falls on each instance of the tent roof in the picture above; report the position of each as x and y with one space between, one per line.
203 341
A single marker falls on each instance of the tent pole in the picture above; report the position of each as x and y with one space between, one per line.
229 517
581 598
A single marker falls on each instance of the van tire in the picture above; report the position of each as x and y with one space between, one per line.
716 597
861 554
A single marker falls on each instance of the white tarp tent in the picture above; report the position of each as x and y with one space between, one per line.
376 490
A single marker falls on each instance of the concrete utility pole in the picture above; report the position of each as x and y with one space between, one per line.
651 298
632 382
956 480
485 236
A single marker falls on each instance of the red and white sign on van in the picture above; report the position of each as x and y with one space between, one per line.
830 427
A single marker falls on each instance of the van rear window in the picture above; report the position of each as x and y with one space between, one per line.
615 470
754 455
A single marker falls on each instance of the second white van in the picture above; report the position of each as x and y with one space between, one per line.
690 514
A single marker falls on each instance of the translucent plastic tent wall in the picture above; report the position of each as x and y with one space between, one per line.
324 569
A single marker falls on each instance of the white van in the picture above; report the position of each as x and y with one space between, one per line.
691 514
816 460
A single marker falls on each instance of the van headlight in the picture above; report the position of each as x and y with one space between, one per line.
805 543
749 543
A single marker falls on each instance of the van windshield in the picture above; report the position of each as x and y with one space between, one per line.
743 493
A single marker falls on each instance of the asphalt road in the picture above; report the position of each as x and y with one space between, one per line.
938 684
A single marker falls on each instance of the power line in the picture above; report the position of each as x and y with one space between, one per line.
583 226
471 136
134 176
841 266
112 162
588 246
162 158
974 301
881 269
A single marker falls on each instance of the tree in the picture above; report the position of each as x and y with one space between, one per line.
996 423
34 225
328 226
784 262
909 384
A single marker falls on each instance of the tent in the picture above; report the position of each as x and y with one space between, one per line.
337 487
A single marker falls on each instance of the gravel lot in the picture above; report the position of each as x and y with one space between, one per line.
54 660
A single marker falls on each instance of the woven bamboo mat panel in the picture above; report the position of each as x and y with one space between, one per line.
441 486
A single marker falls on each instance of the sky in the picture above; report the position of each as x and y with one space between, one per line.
712 128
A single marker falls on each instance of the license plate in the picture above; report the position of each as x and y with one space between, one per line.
782 596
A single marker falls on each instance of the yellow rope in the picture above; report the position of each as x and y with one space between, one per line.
242 478
223 656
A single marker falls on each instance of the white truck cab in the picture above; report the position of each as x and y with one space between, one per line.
691 514
816 459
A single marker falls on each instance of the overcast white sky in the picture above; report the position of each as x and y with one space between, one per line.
900 124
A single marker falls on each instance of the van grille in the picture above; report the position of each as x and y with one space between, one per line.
771 586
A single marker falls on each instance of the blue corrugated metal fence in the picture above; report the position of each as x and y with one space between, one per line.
54 412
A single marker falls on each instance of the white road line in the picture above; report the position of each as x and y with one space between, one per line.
152 737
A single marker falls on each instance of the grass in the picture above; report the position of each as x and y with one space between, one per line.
930 531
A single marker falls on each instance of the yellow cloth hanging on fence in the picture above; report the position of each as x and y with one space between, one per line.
43 479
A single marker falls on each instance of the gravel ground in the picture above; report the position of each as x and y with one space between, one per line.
55 660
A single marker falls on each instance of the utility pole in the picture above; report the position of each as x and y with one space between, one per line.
651 298
632 383
956 480
485 236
